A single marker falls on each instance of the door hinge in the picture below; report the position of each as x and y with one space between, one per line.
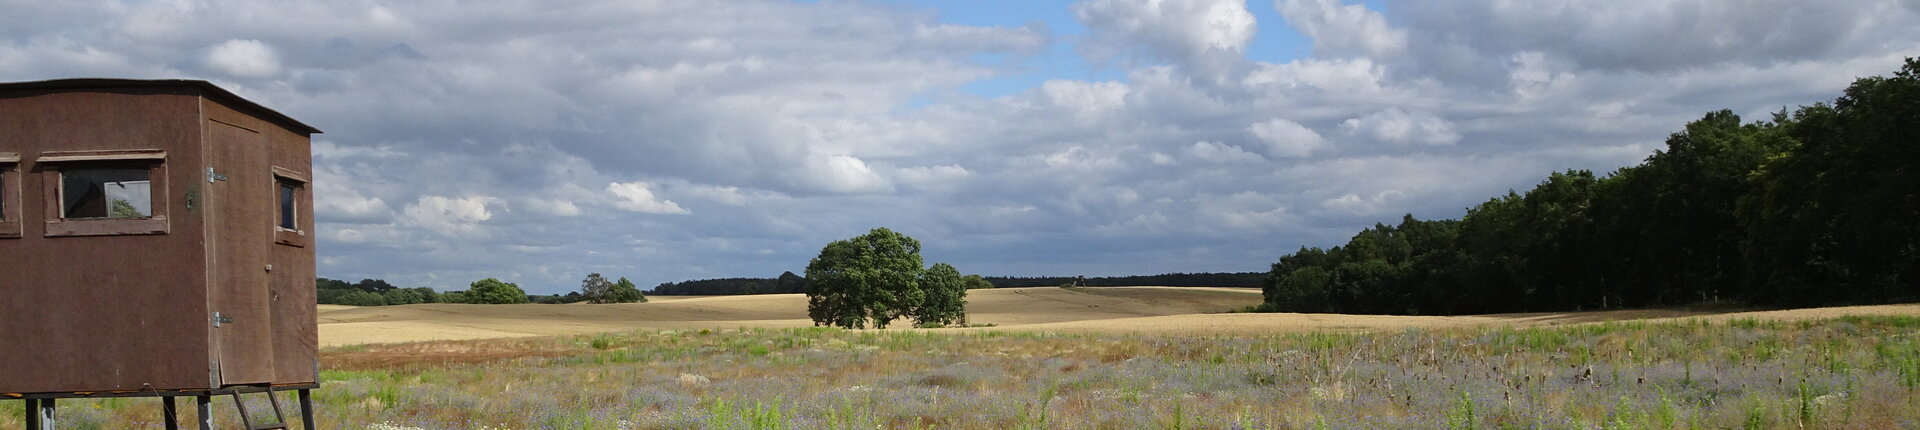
211 176
220 319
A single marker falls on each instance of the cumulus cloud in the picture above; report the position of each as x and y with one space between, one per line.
1287 138
1354 204
1216 152
244 58
1087 101
1399 127
451 216
637 197
841 174
933 177
1207 36
1343 29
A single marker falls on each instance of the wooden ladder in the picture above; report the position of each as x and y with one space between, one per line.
246 420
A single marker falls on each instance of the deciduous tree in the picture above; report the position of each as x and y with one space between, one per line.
945 301
493 291
872 278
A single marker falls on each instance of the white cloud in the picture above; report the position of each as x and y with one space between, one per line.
636 197
1287 138
1162 159
1206 36
1400 127
1216 152
347 205
1086 100
1353 204
841 174
724 194
1080 158
1342 76
451 216
246 58
1534 75
932 177
1343 29
555 207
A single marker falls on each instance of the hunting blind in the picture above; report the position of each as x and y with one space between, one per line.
156 240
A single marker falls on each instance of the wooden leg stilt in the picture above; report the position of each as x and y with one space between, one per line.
306 409
170 412
204 406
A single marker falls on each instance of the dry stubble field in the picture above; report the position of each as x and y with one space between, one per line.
1120 358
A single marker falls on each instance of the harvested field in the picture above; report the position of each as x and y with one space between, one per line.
1111 310
1005 308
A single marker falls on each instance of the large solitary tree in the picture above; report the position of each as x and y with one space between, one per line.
874 277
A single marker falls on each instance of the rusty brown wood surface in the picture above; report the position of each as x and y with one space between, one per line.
103 311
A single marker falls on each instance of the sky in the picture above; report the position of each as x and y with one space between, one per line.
536 142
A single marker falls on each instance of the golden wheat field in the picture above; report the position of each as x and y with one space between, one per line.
1116 310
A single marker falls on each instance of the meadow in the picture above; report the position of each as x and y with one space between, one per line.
1691 373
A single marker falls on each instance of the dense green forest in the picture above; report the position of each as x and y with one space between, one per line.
1820 206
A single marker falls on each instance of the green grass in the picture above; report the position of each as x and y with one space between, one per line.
1854 372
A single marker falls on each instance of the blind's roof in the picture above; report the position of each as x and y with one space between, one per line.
207 89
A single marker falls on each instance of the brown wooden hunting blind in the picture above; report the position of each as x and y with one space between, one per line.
156 236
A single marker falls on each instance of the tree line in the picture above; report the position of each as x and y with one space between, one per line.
786 283
377 292
789 282
1244 279
1818 206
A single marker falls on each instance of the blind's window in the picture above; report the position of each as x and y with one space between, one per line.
287 208
105 193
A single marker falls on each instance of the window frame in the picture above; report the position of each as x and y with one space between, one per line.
10 210
51 164
295 236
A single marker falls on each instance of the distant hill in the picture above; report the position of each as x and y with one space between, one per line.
791 283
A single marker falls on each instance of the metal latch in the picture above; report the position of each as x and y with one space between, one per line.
211 176
220 319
